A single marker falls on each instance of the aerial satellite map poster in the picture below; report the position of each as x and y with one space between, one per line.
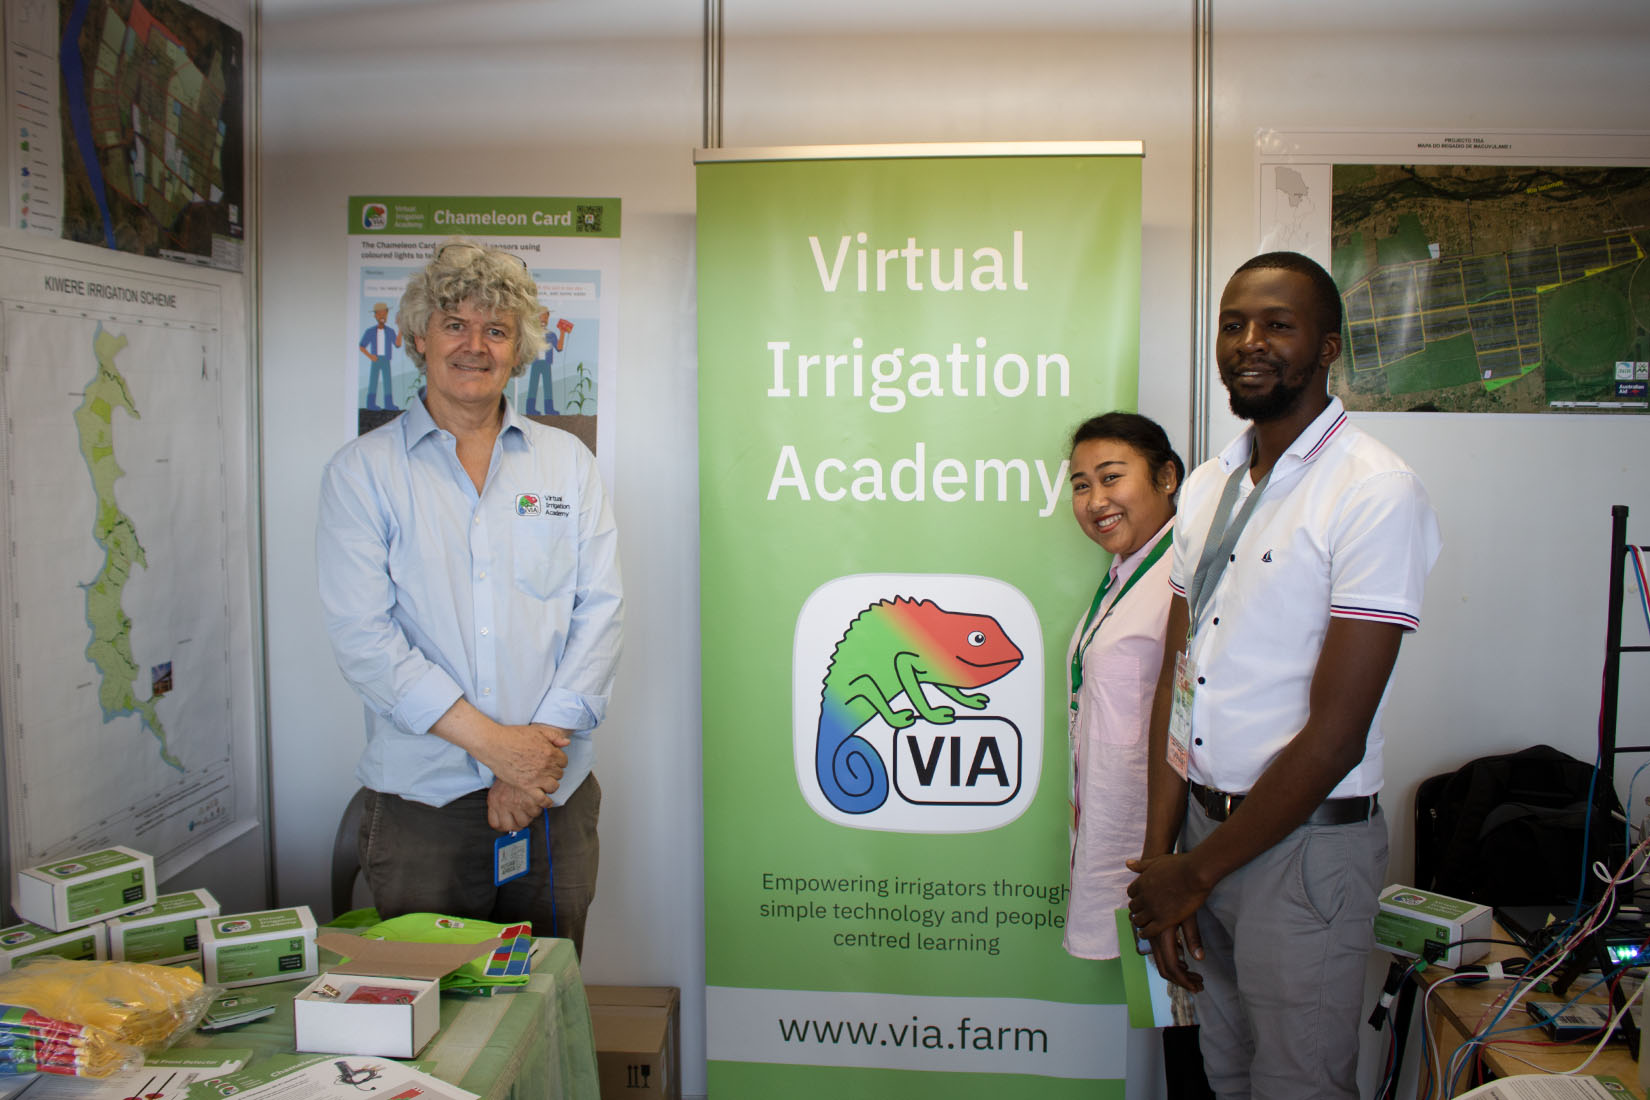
126 121
1480 272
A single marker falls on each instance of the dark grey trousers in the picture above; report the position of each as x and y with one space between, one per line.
1286 942
439 859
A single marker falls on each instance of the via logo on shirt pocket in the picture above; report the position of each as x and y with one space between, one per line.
542 504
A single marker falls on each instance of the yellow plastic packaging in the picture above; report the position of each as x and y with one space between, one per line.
125 1008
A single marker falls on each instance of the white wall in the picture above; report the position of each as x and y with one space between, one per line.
511 113
606 98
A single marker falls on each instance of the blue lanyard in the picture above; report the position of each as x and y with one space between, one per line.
549 871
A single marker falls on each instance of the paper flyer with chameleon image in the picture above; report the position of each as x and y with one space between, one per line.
571 248
893 352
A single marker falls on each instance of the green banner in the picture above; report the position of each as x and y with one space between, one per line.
892 353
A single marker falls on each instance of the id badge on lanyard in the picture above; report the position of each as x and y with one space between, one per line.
511 854
1218 550
1178 750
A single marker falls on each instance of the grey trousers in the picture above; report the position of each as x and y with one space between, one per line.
430 859
1286 942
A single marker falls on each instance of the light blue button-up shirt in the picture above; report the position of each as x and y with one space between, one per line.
509 598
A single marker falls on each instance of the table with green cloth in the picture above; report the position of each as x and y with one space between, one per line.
532 1043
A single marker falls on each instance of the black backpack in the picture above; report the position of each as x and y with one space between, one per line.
1507 830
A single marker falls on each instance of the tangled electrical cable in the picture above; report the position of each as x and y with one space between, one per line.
1525 975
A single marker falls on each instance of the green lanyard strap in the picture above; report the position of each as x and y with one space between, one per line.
1158 551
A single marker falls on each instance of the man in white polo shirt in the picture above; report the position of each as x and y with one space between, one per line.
1299 562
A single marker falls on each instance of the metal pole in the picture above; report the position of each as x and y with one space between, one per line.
713 74
255 358
1607 708
1197 434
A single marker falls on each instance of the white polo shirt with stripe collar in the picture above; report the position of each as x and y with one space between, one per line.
1344 529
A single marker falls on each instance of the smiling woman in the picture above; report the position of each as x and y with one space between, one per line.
1124 479
1124 476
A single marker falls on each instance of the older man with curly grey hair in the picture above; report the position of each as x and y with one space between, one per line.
469 574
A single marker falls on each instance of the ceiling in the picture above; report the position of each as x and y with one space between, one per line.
606 19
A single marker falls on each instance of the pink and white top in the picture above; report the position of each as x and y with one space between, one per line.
1108 748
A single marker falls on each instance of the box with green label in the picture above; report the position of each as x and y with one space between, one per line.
21 942
163 932
252 948
85 889
1434 927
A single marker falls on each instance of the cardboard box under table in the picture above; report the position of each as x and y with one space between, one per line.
638 1040
329 1015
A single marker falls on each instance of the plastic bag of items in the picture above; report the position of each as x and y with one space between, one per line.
91 1019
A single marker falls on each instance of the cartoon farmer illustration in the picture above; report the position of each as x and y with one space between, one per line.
539 374
378 344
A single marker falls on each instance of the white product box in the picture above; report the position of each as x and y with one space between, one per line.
85 889
325 1022
274 945
1420 924
21 942
164 932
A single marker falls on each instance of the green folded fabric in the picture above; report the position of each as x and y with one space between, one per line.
355 918
472 977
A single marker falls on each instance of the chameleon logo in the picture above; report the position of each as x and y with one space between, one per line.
893 648
917 702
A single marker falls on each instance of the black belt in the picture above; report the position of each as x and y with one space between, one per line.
1334 811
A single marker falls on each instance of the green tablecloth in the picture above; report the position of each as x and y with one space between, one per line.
532 1044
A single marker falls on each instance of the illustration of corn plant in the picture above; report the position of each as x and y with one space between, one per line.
582 391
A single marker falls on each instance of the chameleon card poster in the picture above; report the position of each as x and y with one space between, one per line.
569 244
894 346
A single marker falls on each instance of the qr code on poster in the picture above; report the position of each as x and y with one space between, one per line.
590 219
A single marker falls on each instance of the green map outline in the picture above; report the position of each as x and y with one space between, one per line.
110 649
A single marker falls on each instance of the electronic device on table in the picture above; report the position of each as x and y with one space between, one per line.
1563 1022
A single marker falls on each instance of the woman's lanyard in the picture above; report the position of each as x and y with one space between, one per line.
1086 637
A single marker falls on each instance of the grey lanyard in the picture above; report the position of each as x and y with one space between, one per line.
1217 553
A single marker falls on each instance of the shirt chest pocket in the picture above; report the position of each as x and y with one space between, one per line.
543 558
1119 678
1272 576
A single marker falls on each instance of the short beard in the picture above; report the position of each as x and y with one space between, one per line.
1274 405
